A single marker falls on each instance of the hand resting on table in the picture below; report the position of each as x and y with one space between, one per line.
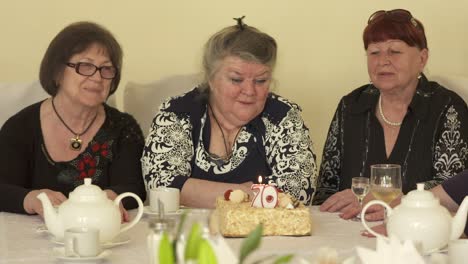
340 202
32 205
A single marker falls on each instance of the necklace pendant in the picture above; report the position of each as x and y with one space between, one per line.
75 143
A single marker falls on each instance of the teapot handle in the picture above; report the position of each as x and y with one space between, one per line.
363 216
140 210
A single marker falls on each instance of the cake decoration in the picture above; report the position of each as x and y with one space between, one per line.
236 196
236 215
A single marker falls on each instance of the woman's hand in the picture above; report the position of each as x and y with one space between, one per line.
340 202
125 217
373 213
379 229
32 205
247 188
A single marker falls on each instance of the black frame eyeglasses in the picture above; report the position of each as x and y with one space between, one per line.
398 15
89 69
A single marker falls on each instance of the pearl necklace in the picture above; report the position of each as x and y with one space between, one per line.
384 118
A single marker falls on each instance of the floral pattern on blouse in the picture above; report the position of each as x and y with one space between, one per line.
287 146
451 151
89 164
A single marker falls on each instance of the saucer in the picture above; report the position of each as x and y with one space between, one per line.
118 240
147 211
440 250
59 253
42 229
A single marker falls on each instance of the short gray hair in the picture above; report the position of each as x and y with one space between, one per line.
246 42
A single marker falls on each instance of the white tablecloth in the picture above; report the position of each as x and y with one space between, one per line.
21 243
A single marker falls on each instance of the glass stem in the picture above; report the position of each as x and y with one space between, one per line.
358 216
385 215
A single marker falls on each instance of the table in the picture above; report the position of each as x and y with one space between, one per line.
21 243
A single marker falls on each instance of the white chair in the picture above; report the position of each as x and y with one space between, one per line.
458 84
142 101
16 96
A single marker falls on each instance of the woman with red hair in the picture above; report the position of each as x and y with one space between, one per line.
400 117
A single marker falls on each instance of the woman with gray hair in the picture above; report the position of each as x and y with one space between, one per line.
231 129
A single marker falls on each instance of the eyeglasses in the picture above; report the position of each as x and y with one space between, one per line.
398 15
89 69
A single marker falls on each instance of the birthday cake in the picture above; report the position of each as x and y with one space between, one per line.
237 216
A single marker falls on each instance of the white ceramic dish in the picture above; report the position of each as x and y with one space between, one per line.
59 253
42 229
117 241
147 211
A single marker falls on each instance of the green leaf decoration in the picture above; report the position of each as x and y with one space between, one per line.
250 243
284 259
206 254
193 243
166 252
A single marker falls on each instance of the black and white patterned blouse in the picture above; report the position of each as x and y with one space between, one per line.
275 144
431 145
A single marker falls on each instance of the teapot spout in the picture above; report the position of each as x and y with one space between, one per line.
51 219
459 220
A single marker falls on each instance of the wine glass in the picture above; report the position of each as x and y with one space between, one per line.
385 182
360 187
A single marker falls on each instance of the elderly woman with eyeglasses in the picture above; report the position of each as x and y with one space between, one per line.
231 129
400 117
52 145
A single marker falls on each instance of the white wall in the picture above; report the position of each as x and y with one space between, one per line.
321 54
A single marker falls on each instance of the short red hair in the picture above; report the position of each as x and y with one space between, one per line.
385 25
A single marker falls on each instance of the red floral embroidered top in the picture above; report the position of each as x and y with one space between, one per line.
111 159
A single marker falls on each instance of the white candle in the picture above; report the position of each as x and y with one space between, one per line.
257 190
265 196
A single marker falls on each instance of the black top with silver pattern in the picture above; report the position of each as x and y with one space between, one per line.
431 145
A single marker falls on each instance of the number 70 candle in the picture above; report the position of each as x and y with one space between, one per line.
265 196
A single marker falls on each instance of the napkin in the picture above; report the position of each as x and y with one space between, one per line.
326 256
390 252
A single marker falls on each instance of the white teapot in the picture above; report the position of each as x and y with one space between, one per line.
422 219
88 206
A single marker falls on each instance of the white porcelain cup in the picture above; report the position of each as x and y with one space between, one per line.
458 251
168 196
82 242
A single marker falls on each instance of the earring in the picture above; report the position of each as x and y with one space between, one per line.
419 76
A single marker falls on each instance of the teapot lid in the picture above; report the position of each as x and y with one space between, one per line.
420 198
87 192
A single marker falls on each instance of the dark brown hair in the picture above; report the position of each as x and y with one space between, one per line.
74 39
391 25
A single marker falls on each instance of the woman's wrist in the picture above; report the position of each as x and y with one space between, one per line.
111 194
28 200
